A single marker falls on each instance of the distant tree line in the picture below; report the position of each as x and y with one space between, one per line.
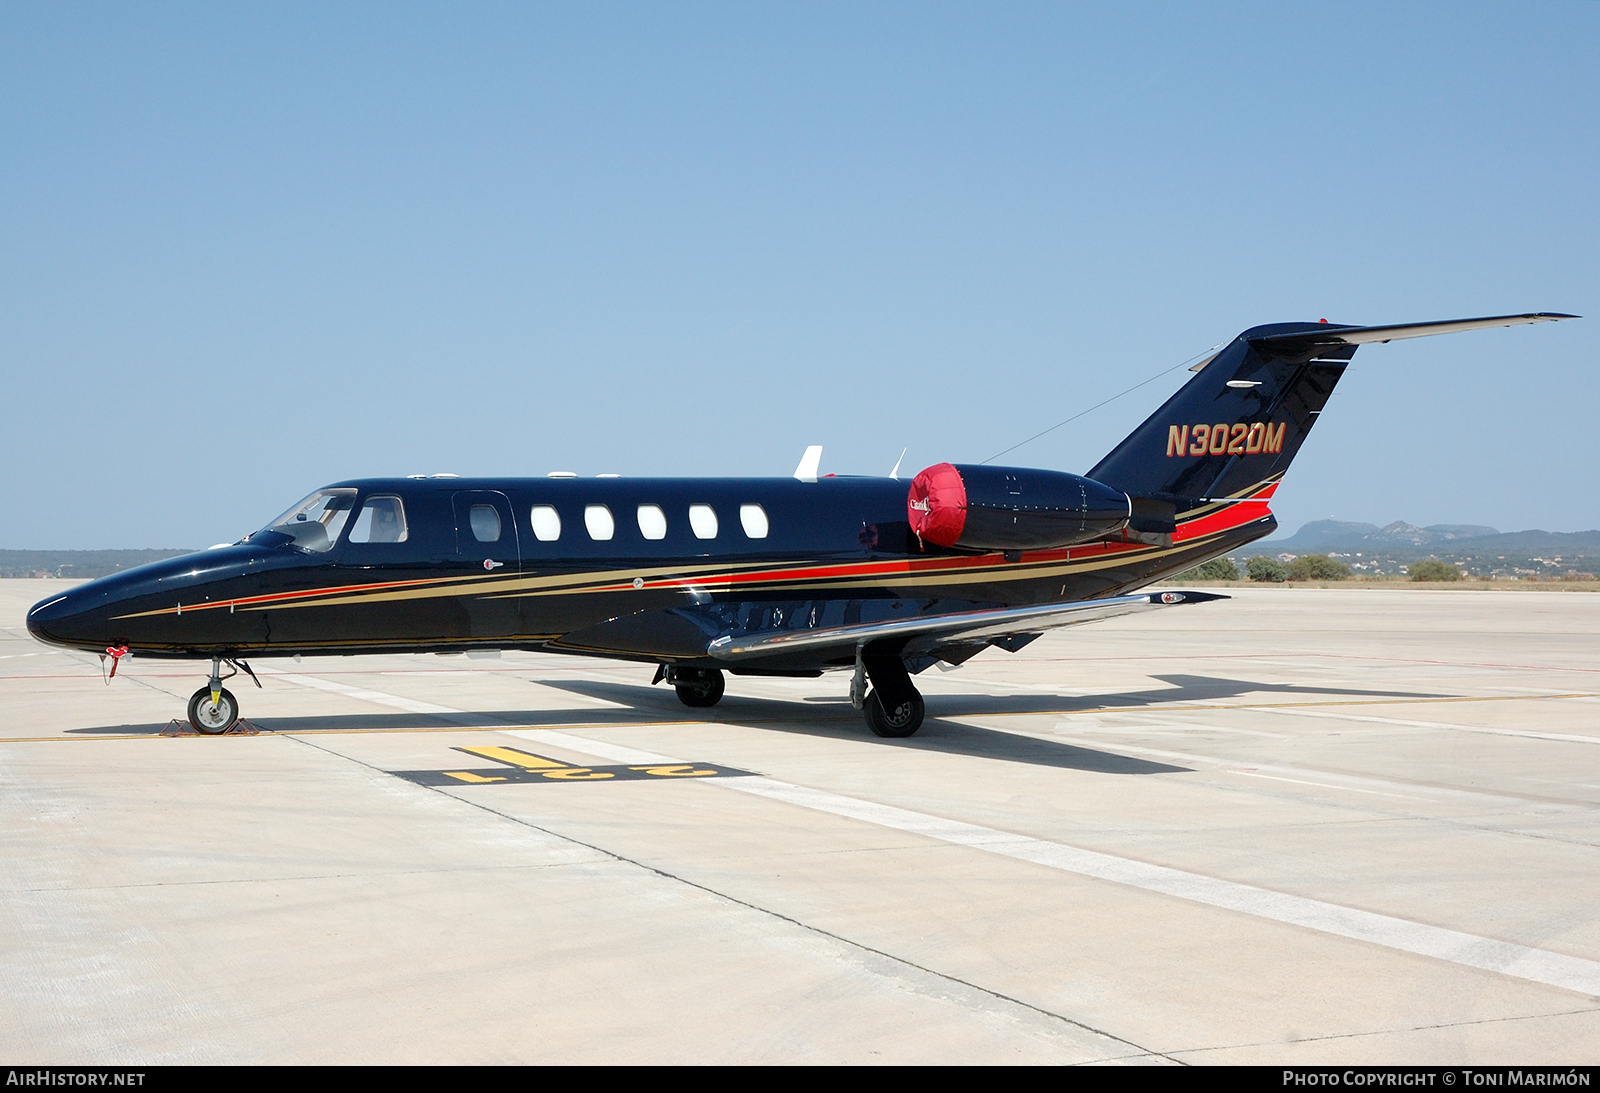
1307 567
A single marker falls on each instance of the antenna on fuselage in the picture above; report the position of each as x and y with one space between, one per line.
895 474
807 470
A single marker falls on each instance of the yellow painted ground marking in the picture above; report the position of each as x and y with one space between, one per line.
468 776
515 758
547 767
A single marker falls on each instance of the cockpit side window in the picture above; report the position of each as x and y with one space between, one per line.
315 523
382 520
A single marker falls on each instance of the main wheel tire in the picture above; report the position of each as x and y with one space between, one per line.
213 719
903 720
699 687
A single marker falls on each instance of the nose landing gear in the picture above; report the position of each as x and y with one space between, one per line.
212 709
211 712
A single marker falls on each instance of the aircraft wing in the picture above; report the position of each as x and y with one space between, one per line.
960 628
1335 336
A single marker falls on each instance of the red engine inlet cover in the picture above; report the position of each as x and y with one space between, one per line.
937 505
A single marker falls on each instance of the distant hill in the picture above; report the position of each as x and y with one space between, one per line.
77 563
1321 536
1481 550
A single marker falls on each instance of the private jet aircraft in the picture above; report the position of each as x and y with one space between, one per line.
756 576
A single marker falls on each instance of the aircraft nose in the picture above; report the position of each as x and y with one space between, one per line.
57 620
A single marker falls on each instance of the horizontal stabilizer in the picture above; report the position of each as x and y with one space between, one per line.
809 462
965 626
1330 336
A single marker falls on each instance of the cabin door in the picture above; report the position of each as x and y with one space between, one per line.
488 549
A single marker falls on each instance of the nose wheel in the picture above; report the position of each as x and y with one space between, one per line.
212 718
213 709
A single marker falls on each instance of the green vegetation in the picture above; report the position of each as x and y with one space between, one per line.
1317 567
1433 571
1478 551
1217 569
1264 568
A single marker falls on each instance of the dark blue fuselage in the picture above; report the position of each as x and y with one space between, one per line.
836 551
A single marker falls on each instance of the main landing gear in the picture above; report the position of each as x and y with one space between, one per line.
894 706
700 688
213 709
903 720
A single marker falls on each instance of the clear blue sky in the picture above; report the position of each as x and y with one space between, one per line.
250 249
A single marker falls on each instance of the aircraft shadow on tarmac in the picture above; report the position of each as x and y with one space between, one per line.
839 719
939 734
633 702
1211 688
641 702
831 716
1180 689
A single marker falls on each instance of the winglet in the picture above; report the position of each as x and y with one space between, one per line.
807 470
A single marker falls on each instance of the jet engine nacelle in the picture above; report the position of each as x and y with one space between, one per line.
1012 508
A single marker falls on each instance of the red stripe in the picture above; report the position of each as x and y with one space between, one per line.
1230 516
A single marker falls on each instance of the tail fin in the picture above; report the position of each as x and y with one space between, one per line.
1236 426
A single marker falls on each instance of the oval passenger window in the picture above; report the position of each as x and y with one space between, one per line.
652 522
703 519
546 523
485 523
597 518
754 519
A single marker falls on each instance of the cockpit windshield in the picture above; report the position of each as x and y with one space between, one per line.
315 523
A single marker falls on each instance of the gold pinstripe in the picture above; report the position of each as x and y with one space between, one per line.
720 576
